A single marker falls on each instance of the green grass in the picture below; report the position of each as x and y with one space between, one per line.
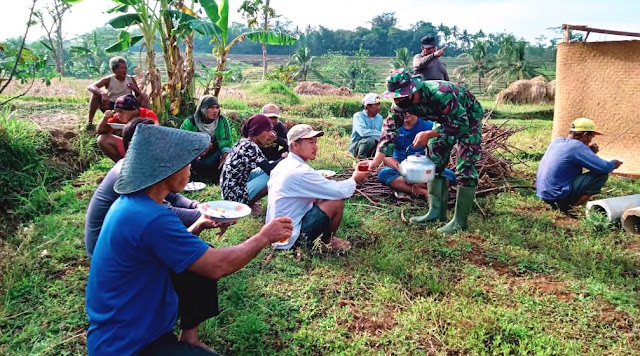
522 280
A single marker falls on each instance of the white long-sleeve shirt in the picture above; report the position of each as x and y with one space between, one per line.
293 185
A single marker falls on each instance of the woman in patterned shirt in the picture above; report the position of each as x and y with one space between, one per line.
246 171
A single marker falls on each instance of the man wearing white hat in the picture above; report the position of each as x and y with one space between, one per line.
560 181
131 301
313 202
367 126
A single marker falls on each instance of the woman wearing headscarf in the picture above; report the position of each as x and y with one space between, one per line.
207 119
246 172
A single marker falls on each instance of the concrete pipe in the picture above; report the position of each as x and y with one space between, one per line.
631 221
613 208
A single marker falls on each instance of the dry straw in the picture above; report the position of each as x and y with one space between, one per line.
601 81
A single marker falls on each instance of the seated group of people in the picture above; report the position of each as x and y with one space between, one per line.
148 266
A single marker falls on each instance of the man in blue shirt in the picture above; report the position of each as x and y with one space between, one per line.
389 176
367 126
131 302
560 181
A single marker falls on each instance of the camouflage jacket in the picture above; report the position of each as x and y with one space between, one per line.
453 107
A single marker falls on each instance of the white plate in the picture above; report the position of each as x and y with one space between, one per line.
194 186
116 126
224 211
326 172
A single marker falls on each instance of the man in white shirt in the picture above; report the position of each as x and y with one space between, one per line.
313 203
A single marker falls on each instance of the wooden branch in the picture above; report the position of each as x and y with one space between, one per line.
24 39
566 28
19 95
367 197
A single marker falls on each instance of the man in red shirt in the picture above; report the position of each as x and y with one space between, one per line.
125 108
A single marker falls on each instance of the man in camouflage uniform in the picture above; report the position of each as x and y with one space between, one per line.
458 117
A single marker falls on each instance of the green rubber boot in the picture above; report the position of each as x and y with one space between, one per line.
438 199
464 202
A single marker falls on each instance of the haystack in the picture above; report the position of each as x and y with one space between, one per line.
528 91
315 88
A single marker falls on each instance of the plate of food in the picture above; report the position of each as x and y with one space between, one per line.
224 211
116 126
326 172
194 186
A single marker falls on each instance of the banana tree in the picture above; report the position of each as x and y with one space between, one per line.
164 22
219 15
148 21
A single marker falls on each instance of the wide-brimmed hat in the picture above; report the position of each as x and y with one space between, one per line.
302 131
155 153
400 83
583 124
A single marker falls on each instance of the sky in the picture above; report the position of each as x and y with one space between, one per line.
524 18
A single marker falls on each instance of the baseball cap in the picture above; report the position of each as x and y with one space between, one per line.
582 124
271 110
371 98
126 102
428 42
302 131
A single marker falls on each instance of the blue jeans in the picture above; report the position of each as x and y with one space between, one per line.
256 183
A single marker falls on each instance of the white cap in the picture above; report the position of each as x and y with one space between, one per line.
371 98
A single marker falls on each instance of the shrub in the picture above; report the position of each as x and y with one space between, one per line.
275 91
25 171
335 107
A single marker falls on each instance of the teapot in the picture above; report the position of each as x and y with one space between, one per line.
417 169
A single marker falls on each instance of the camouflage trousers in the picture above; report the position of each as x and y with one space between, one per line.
469 152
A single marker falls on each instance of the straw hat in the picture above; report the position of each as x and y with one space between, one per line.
155 153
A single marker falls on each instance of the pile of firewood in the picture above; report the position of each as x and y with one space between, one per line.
494 167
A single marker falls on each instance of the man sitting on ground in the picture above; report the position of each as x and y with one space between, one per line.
560 181
105 195
131 301
279 146
126 108
367 126
314 203
389 176
116 85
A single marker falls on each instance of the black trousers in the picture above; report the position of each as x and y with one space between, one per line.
197 298
197 302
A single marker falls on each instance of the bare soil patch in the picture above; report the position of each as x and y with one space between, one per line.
478 257
622 321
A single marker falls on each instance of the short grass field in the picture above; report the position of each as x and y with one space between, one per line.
523 280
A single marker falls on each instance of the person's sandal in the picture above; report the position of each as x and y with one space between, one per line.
339 245
402 196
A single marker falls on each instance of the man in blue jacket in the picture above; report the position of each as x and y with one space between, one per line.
560 181
367 126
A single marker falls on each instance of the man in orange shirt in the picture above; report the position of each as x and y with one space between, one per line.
125 108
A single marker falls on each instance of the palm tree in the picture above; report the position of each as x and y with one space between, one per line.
454 34
403 59
466 39
511 63
445 31
479 63
304 60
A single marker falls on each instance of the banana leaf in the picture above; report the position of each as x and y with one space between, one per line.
211 9
124 21
119 8
224 19
271 38
123 45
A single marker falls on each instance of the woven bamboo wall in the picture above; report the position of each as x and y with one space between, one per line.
601 81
